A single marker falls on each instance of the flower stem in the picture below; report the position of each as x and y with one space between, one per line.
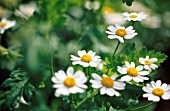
116 48
85 99
142 106
51 64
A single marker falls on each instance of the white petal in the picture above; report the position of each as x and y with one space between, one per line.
96 86
126 78
158 83
119 85
132 64
167 88
144 78
143 72
113 37
110 91
60 75
153 66
147 95
114 76
147 68
154 98
96 76
147 89
102 90
166 96
125 14
122 70
70 72
153 60
81 53
121 39
58 85
74 58
91 53
139 68
112 28
137 79
112 33
93 63
141 60
127 64
129 28
153 84
84 64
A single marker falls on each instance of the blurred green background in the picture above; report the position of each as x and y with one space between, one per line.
59 28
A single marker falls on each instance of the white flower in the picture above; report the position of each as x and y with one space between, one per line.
86 59
107 85
148 63
132 73
6 24
26 10
69 82
134 16
155 90
114 18
92 5
120 32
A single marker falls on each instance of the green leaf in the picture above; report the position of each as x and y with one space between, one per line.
18 86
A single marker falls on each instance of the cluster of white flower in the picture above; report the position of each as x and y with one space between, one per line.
71 83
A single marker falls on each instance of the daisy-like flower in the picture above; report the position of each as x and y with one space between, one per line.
134 16
155 90
6 24
148 63
107 84
86 59
132 73
26 10
120 32
69 82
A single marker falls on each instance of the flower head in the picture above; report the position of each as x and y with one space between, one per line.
69 82
6 24
120 32
107 84
132 73
155 90
148 63
26 10
92 5
86 59
134 16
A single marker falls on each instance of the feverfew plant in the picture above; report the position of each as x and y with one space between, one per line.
55 66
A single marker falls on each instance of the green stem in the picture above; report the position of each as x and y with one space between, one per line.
51 64
101 6
116 48
85 99
142 106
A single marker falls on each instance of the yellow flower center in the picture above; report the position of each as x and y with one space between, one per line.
133 16
107 10
121 32
86 58
2 24
158 92
69 82
147 63
107 82
132 72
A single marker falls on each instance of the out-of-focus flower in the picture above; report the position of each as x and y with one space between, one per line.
134 16
152 22
107 10
92 5
114 18
86 59
6 24
111 17
155 90
148 63
69 82
107 84
4 13
26 10
120 32
166 16
132 73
